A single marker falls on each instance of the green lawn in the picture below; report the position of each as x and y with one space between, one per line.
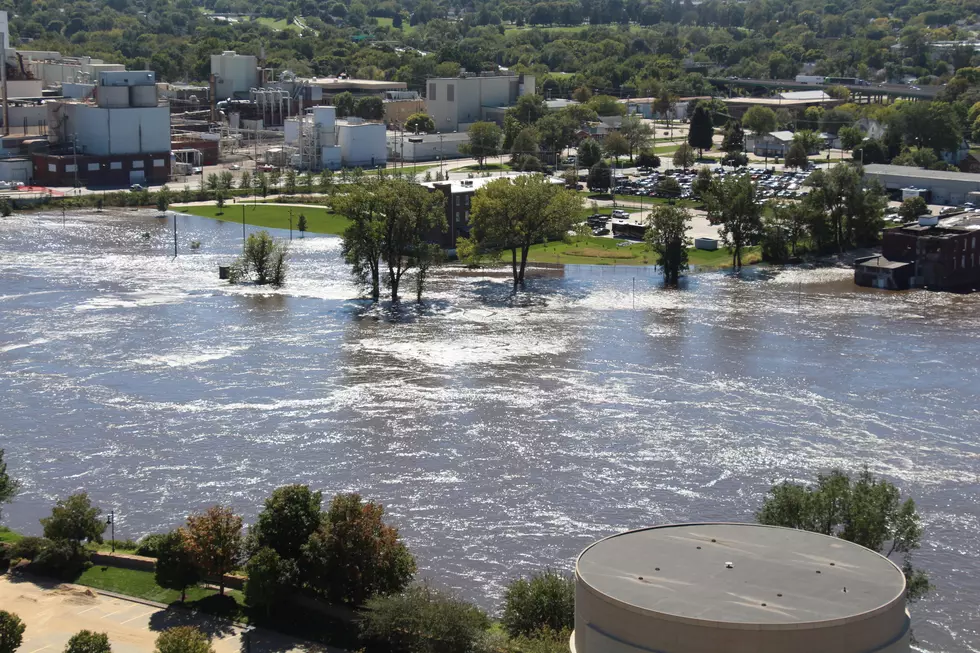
273 216
607 251
276 24
408 170
142 585
487 167
384 21
7 535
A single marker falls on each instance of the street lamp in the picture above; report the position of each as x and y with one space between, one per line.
413 141
111 521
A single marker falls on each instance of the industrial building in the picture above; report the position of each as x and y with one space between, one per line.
935 253
941 186
121 139
456 102
412 148
737 588
234 74
318 140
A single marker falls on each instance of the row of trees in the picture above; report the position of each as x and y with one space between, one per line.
179 639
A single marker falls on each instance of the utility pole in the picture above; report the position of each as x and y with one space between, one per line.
175 234
3 83
243 226
290 224
112 522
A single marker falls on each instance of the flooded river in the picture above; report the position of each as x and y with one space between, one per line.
503 433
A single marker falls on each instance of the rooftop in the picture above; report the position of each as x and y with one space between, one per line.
337 83
741 573
774 101
956 225
920 173
882 263
805 95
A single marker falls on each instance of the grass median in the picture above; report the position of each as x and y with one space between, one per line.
272 216
611 251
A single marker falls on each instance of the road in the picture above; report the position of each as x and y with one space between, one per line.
54 612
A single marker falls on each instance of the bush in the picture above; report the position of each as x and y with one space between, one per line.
544 641
62 560
11 632
264 259
28 548
183 639
149 546
5 556
648 159
422 620
86 641
544 600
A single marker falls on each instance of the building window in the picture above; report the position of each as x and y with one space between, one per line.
432 92
71 168
963 261
52 167
457 200
93 167
450 92
115 165
158 163
137 165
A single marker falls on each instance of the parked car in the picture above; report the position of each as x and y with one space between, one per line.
137 188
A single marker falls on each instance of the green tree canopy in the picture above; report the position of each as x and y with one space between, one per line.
74 520
345 103
702 130
684 156
759 120
866 510
638 134
855 211
420 123
589 153
731 203
545 600
214 542
11 632
484 141
912 208
87 641
183 639
667 236
175 568
796 155
606 105
290 515
9 486
270 579
616 145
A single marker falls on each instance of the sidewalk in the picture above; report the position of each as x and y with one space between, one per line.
55 611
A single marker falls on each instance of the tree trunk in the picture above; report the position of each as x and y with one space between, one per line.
375 285
513 262
524 251
183 595
221 585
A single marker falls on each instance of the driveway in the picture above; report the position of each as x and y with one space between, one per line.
54 612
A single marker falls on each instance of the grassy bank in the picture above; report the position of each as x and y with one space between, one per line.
272 216
7 535
142 585
607 251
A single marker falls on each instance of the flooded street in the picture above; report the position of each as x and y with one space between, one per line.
503 433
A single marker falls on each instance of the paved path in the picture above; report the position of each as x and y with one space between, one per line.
54 612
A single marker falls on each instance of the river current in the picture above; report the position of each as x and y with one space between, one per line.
502 432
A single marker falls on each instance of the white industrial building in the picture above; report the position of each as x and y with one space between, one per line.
318 140
124 138
936 186
409 147
235 74
456 102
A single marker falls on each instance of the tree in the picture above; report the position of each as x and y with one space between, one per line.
214 541
648 159
734 139
225 180
11 632
525 146
600 177
850 137
219 201
420 123
855 212
582 94
345 104
163 199
867 511
427 256
615 145
354 555
870 151
275 178
838 92
290 181
796 156
245 181
759 120
370 108
664 106
637 133
912 208
668 187
301 224
515 214
270 579
528 109
422 620
701 129
290 515
74 520
589 153
731 203
183 639
684 156
809 139
606 105
667 237
263 259
545 600
484 141
9 486
86 641
175 568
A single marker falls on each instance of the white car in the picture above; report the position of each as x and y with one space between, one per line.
234 166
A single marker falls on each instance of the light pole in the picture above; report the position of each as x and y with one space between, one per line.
111 521
243 226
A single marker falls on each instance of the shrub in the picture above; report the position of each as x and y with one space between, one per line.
5 556
11 632
28 547
61 559
422 620
86 641
149 546
544 641
264 259
183 639
545 600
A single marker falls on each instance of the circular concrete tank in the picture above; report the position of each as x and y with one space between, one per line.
737 588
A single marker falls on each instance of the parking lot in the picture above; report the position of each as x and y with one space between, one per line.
54 612
770 184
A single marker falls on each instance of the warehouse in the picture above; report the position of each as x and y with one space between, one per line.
737 588
941 186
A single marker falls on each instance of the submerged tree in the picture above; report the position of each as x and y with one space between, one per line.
731 202
667 237
263 260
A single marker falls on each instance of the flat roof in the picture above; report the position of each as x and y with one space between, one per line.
774 101
920 173
372 84
778 576
882 263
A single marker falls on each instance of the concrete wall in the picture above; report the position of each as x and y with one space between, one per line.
24 88
237 73
430 149
362 144
454 101
105 132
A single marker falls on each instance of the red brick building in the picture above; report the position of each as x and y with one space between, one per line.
945 253
116 171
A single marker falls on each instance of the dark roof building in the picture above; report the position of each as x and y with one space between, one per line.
944 252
